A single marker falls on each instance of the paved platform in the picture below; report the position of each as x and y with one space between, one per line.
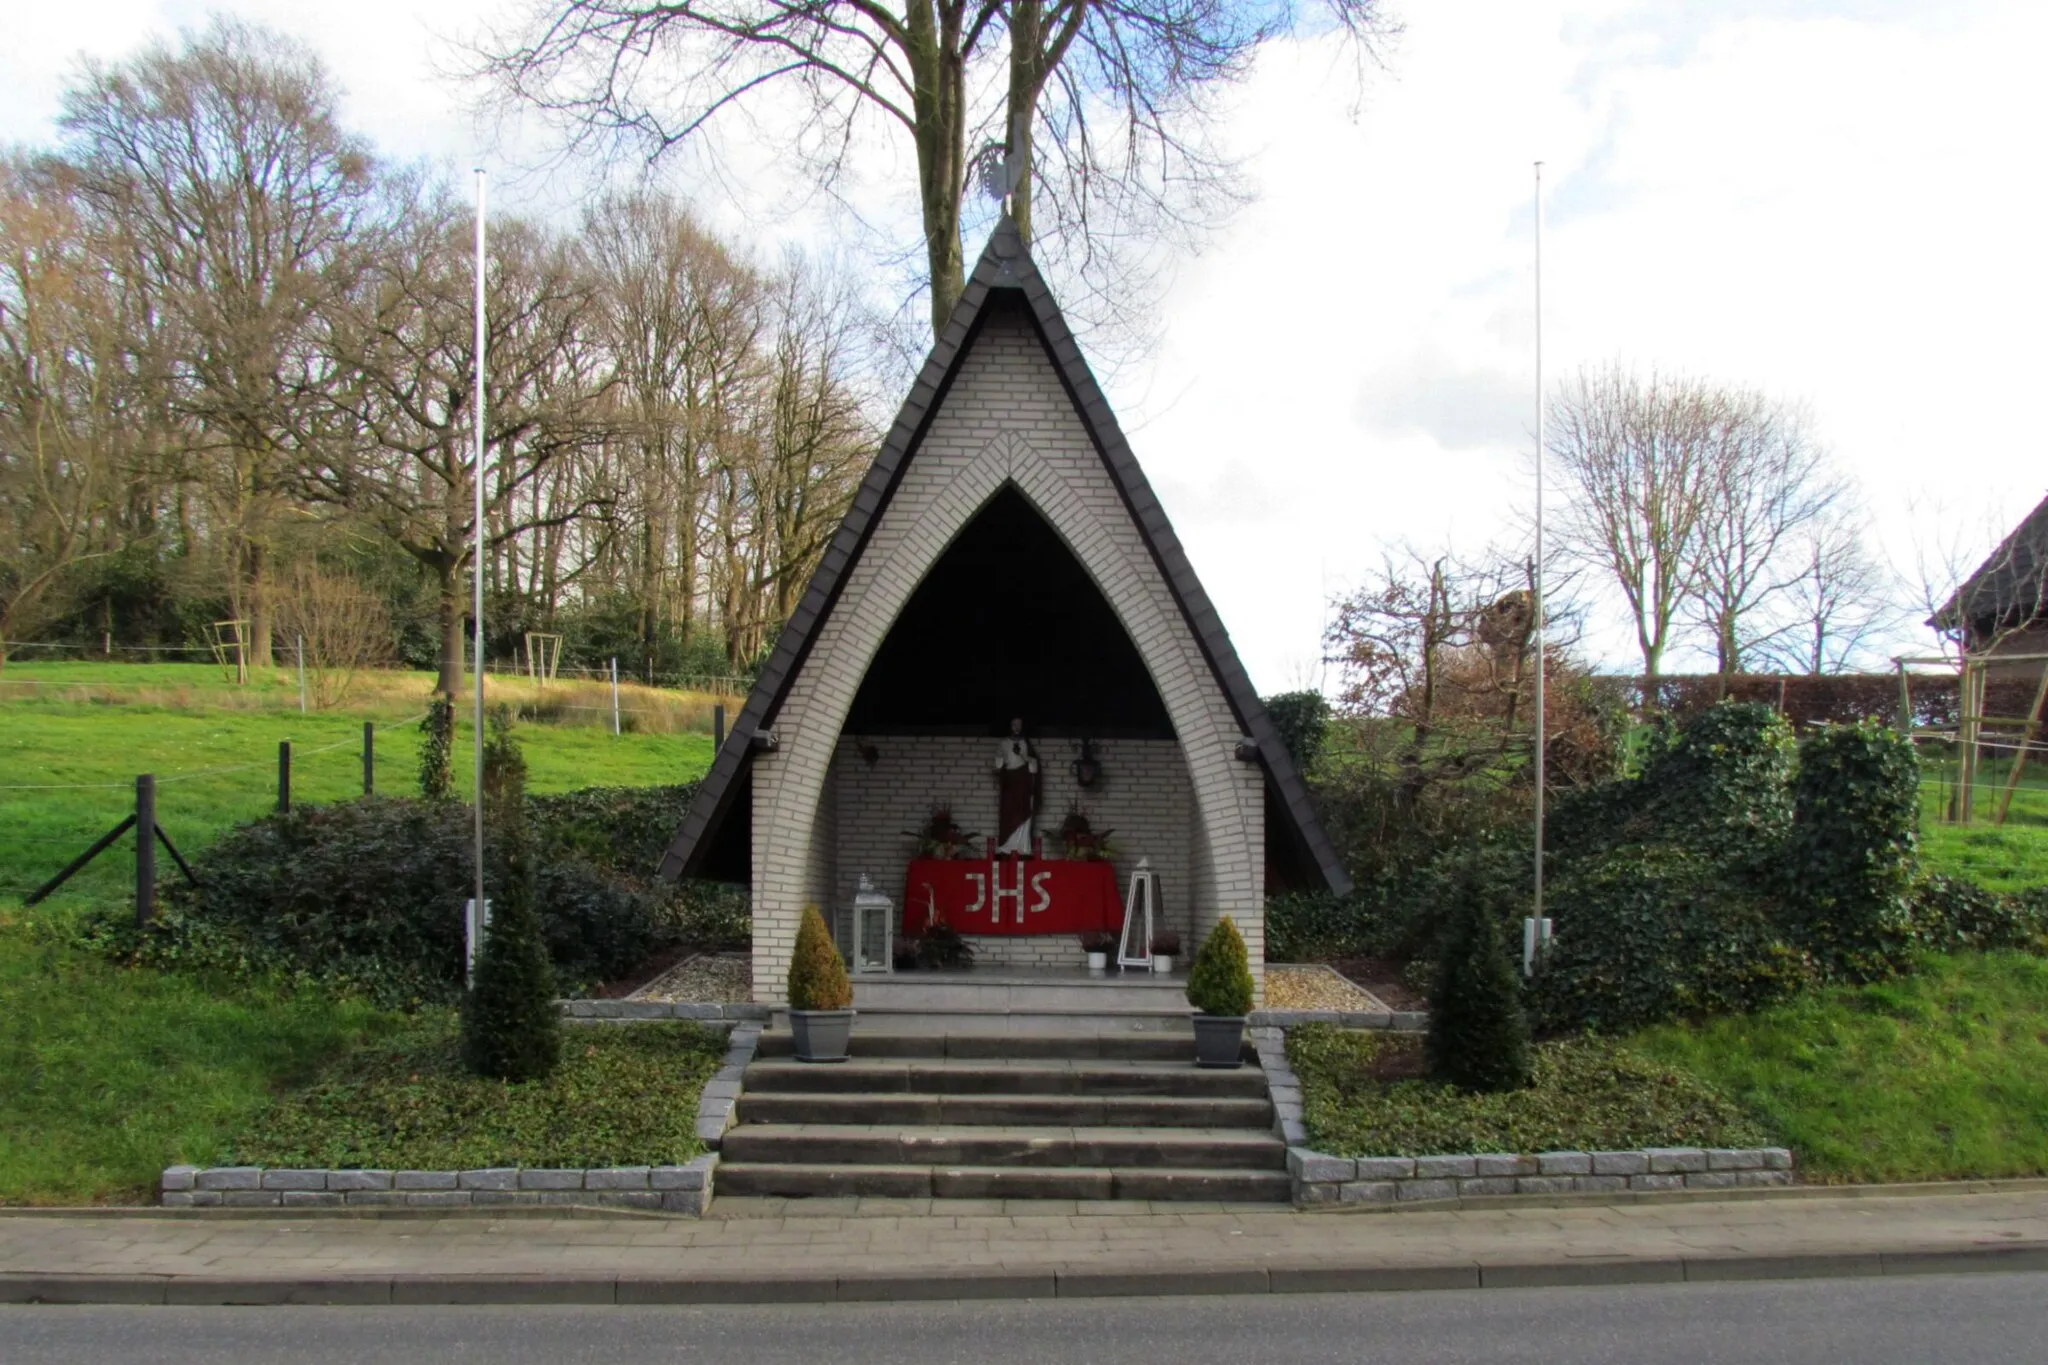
824 1250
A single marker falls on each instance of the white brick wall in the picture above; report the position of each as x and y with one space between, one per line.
1007 419
1144 796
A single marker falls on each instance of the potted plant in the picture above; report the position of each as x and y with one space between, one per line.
1079 841
820 995
942 948
1098 946
1220 987
941 835
909 952
1165 948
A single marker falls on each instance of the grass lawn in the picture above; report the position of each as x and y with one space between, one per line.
623 1096
108 1075
1942 1075
69 756
1363 1095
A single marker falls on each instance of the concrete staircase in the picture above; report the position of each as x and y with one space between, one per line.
1019 1094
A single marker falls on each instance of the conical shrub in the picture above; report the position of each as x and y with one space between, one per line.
510 1027
1220 982
437 744
1478 1032
817 974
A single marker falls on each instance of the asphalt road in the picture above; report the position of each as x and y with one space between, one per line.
1956 1320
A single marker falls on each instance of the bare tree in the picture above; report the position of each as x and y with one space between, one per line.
1766 484
1117 91
238 196
406 344
342 625
1838 601
1639 463
66 392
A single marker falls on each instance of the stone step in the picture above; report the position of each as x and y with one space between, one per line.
995 991
1070 1111
1036 1147
1000 1182
996 1076
1174 1020
1150 1047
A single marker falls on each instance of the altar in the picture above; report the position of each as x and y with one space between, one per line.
1011 896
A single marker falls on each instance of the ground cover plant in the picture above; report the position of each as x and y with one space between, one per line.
1367 1093
622 1095
1940 1074
109 1074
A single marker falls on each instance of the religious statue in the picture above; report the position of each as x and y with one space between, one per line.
1016 792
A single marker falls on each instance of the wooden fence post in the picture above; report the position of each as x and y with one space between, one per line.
369 758
284 776
145 848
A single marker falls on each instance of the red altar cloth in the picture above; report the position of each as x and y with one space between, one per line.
1012 896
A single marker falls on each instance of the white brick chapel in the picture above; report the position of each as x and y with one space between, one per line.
1004 557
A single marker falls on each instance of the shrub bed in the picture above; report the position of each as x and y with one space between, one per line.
1361 1098
622 1096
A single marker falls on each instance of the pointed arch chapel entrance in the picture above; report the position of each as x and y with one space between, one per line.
1005 556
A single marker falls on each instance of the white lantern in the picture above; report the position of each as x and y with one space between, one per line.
874 929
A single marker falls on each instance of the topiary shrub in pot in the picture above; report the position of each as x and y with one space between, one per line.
820 995
1220 986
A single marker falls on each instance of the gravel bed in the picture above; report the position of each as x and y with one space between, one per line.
705 978
1315 987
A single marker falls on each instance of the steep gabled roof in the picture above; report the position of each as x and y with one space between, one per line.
2007 590
1005 265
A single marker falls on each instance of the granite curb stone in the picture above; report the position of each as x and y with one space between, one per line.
1322 1180
684 1189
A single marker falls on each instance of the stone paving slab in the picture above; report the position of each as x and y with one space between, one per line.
941 1249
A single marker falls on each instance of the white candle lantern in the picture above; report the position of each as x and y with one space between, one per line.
874 930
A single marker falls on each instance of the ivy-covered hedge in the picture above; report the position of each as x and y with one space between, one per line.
368 894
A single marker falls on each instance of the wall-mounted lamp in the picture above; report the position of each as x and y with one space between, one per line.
1087 768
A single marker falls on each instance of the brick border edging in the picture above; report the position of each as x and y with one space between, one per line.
1398 1021
997 1283
1321 1179
703 1012
672 1189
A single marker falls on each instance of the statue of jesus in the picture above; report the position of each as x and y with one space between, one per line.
1016 792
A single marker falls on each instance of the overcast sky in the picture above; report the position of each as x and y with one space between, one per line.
1838 202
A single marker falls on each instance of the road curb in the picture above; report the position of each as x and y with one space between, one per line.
1020 1283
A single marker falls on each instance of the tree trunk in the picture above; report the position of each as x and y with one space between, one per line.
448 579
938 75
1027 75
257 566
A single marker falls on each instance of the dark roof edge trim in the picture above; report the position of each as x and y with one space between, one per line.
1004 263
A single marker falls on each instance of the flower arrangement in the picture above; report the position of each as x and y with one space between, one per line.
941 836
1079 839
1166 943
1098 942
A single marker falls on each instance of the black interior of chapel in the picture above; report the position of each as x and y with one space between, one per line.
1008 623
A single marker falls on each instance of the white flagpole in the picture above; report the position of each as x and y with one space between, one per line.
1542 727
477 551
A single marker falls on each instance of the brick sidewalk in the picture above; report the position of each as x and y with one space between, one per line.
766 1253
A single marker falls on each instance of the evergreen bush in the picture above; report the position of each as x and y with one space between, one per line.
817 974
1220 982
510 1027
437 750
1478 1032
1849 861
1951 913
1302 718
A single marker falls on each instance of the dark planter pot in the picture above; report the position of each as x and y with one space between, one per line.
1219 1040
822 1035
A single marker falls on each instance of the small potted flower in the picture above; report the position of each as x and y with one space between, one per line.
1165 948
1079 839
820 995
1220 988
1098 946
909 952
